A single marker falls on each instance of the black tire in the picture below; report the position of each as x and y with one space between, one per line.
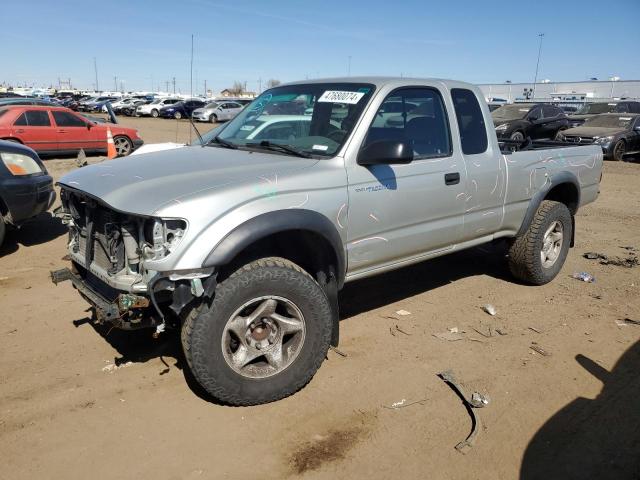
3 230
517 137
213 118
177 115
619 150
154 113
525 260
203 332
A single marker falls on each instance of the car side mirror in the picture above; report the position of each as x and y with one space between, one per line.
386 152
533 118
89 125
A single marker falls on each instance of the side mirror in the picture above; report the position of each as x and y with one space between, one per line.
89 125
386 152
533 118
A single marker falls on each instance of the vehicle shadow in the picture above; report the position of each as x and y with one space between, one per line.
370 293
593 439
40 229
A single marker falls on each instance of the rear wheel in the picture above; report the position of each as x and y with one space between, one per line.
177 115
154 113
537 256
619 150
263 336
123 145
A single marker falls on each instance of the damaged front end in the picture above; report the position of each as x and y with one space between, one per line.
109 251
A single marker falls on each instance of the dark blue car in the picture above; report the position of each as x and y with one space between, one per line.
182 109
26 188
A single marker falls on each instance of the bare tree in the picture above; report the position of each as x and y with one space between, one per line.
237 88
273 82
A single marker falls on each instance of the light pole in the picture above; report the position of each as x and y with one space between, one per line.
535 79
95 68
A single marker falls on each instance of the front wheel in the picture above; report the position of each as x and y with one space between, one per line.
177 115
619 150
154 113
123 145
213 118
517 137
263 336
537 256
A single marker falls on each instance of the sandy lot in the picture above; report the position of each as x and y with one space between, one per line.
82 402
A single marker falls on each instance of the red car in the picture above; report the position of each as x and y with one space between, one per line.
59 130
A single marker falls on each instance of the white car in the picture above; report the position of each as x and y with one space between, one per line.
154 107
217 111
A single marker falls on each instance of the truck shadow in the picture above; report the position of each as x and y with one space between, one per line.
41 229
370 293
593 439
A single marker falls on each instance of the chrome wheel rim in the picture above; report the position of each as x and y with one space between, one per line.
618 151
263 337
552 244
517 137
178 115
122 146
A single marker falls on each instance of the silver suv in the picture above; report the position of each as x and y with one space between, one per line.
243 240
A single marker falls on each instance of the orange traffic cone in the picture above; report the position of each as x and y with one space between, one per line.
111 147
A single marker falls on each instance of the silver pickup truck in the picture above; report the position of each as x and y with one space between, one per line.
243 240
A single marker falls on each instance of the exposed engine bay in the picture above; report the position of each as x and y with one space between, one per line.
108 250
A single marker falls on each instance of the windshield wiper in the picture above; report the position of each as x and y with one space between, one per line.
279 146
221 141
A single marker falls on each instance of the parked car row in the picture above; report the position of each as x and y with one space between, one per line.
615 125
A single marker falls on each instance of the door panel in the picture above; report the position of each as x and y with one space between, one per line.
34 129
403 211
73 134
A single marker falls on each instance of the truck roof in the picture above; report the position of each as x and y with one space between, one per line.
384 81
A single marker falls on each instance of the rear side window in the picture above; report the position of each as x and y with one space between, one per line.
66 119
33 118
473 131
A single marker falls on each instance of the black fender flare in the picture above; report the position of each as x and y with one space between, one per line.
540 195
276 221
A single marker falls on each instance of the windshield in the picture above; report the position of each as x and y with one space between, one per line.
596 108
609 121
511 112
314 118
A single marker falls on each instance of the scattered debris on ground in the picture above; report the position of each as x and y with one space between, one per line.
538 349
397 329
584 276
490 309
403 403
339 352
112 367
477 400
630 261
449 336
627 321
403 313
534 329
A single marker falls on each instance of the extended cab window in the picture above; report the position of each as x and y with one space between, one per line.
416 116
66 119
473 131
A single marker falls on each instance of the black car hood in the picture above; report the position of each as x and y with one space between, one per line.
583 131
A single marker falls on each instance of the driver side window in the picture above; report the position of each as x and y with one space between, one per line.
416 116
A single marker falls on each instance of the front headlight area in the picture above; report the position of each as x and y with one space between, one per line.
603 140
502 128
161 237
19 164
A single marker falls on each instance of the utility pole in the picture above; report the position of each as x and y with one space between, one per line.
205 88
174 85
115 83
535 79
95 68
191 77
166 86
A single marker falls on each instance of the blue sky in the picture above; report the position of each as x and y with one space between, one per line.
145 44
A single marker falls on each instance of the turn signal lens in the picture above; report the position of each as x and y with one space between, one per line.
19 164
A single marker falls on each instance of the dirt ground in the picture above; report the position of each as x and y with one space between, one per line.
78 401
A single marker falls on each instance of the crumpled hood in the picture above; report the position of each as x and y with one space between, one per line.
144 183
592 131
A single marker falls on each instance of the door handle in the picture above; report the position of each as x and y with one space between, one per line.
20 130
62 131
451 178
